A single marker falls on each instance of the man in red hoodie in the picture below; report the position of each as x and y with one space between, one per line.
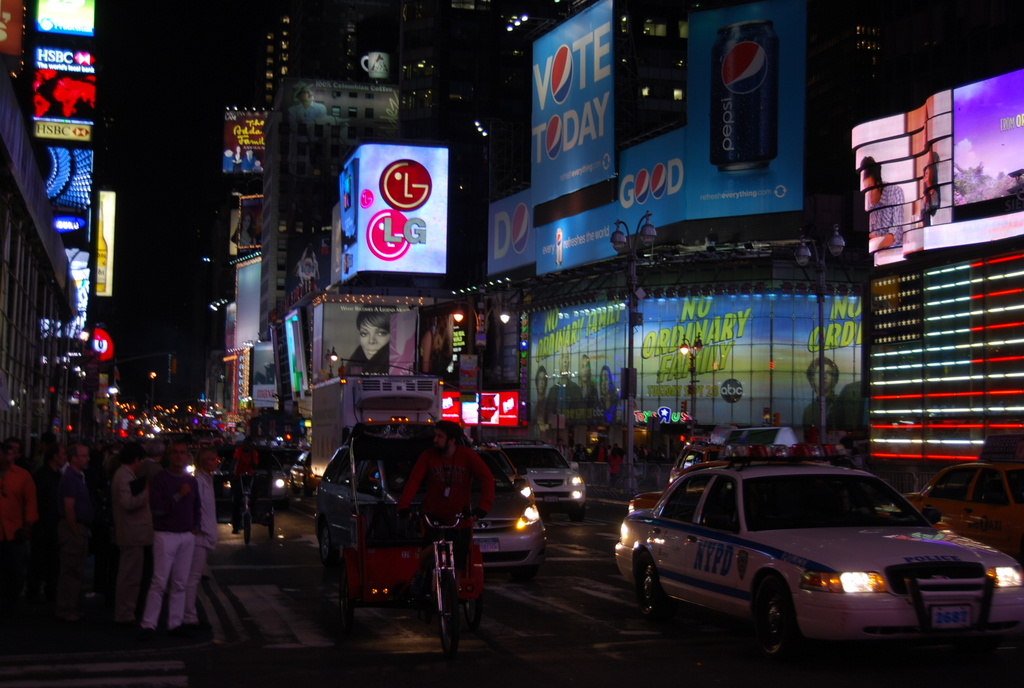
448 469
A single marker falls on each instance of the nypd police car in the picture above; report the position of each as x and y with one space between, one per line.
815 551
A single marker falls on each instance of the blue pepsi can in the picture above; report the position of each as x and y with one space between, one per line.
745 96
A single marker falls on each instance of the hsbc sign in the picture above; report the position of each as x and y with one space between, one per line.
65 60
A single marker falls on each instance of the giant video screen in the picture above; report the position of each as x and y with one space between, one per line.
988 154
759 356
76 18
947 174
63 91
397 215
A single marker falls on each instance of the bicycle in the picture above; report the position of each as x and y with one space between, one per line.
247 515
445 586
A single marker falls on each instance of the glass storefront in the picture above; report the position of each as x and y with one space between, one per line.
757 364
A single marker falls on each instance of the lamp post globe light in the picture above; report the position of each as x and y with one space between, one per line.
645 233
690 351
332 358
803 255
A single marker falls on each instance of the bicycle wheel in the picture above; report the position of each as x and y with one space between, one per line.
247 526
474 611
448 613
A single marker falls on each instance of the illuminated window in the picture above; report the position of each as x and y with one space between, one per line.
677 94
655 27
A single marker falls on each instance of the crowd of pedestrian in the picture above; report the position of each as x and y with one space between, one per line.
147 523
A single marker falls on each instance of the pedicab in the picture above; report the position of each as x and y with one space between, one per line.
381 550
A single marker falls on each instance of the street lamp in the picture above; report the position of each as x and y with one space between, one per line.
646 233
803 254
152 390
112 392
332 358
690 351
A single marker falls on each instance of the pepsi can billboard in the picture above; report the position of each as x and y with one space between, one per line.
745 96
573 120
511 240
745 139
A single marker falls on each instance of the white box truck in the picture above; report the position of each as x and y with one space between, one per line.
342 402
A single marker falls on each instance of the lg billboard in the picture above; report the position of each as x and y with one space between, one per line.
394 210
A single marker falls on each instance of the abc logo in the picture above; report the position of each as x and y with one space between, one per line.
731 390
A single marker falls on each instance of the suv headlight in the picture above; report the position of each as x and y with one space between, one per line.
1006 576
576 480
847 581
529 517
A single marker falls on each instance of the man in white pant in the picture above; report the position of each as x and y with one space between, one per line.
206 535
174 501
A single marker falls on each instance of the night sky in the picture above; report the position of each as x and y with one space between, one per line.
165 76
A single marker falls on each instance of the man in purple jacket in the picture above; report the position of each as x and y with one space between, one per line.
173 499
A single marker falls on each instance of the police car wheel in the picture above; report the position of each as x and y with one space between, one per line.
651 599
775 619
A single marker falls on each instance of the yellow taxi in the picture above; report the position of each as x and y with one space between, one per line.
983 500
647 500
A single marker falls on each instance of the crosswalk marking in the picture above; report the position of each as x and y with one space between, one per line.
219 611
154 674
266 604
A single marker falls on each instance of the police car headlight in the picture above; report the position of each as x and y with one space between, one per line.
529 517
848 581
576 480
1006 576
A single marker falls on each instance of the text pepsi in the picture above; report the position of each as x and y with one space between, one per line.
745 96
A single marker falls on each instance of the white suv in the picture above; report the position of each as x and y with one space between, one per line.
557 485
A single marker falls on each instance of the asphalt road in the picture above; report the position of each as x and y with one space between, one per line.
273 608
